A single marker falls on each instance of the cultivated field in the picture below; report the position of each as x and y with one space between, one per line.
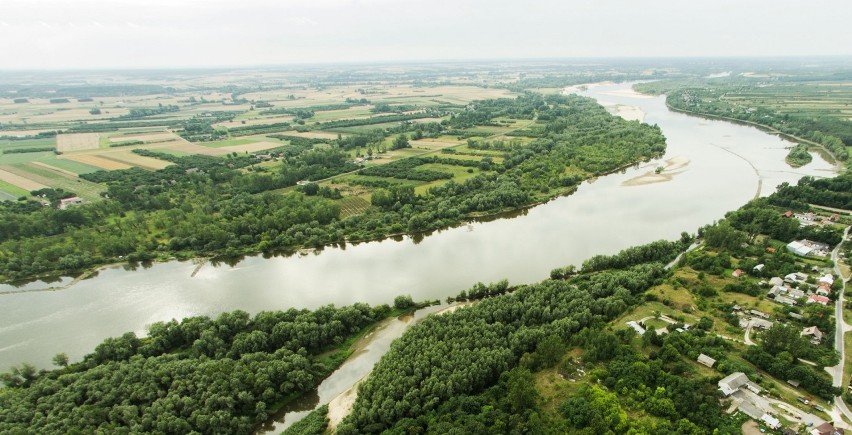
77 142
19 181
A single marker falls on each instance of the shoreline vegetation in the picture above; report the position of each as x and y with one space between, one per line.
174 213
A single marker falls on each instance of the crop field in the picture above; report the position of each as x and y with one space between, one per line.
153 137
77 142
817 99
129 158
19 181
98 161
252 147
352 206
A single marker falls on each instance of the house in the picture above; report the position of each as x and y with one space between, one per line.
814 333
759 314
770 421
706 360
776 281
788 214
796 316
785 300
824 289
759 267
731 383
761 324
826 429
738 273
795 293
68 202
770 249
835 217
818 299
827 279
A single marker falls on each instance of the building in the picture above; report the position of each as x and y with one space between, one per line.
636 327
706 360
759 267
796 316
785 300
68 202
818 299
738 273
731 383
826 279
826 429
813 333
799 248
788 214
759 314
761 324
835 217
776 281
824 289
771 421
795 293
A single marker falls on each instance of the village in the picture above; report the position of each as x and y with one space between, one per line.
761 298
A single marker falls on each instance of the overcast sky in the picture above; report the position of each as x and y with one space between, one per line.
188 33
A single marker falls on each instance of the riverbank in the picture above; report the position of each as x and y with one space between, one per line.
839 166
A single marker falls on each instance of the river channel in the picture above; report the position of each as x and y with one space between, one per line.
712 167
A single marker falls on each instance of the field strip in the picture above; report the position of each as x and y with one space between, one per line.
78 141
136 160
22 182
147 137
251 147
97 161
55 169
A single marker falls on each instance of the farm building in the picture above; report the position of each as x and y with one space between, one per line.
813 332
68 202
799 248
706 360
770 421
731 383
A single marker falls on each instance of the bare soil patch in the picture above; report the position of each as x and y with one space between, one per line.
22 182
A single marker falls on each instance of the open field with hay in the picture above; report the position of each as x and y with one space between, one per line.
77 142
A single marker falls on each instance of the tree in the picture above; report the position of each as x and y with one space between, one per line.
403 302
401 141
60 359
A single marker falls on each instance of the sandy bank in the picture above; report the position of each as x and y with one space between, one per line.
673 166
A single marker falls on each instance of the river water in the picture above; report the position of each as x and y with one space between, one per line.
722 166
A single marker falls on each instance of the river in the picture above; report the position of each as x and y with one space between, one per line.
714 167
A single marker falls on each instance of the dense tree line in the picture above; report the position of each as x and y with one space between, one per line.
203 375
468 351
830 192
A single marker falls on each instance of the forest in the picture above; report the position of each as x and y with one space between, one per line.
203 375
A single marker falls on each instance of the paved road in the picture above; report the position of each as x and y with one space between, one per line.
837 371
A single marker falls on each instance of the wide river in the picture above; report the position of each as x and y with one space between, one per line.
714 167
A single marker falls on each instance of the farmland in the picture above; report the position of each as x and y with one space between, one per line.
177 170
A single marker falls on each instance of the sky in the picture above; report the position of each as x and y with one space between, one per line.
89 34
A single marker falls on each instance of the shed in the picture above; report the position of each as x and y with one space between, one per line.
706 360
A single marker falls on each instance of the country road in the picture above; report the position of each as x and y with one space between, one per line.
842 327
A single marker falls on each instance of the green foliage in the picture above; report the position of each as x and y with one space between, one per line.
799 156
205 375
27 150
314 423
469 350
